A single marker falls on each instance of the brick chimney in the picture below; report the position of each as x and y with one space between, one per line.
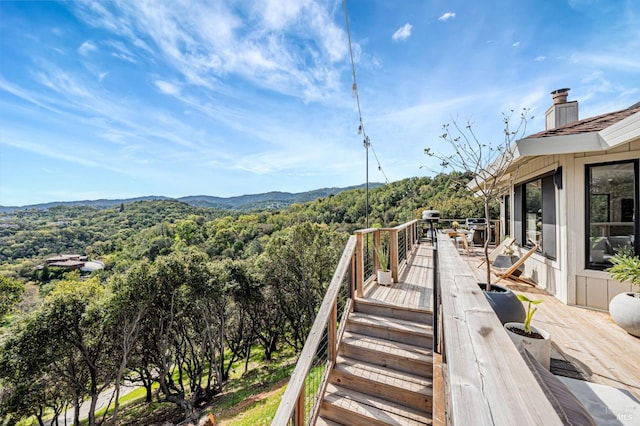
561 112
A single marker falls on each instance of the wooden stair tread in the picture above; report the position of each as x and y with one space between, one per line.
378 410
320 421
391 323
402 380
388 346
392 310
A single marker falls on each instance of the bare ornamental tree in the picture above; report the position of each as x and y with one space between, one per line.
488 162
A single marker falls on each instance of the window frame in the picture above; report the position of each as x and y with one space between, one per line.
588 265
551 179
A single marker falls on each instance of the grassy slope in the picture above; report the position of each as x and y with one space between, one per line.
249 398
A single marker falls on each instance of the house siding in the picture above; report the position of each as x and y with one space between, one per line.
566 276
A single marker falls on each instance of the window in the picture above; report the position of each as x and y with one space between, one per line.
534 213
612 197
507 215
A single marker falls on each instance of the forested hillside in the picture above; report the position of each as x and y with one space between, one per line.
266 201
186 291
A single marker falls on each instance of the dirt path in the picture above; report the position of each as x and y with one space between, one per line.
234 413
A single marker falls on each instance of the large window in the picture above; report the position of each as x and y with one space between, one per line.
612 200
534 213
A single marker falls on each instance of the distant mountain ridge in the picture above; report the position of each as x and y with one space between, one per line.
265 201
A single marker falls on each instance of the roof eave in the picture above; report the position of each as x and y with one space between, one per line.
565 144
622 132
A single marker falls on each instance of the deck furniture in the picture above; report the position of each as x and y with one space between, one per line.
509 273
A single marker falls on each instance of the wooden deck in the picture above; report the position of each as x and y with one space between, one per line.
385 372
584 342
587 344
415 284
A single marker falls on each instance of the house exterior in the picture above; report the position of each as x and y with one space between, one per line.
73 262
574 189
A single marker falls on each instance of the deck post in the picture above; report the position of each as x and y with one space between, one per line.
298 415
393 246
377 239
332 333
359 282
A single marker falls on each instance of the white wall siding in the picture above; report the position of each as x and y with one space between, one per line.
566 277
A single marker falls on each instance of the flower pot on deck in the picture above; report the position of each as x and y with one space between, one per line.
384 277
504 303
539 347
625 311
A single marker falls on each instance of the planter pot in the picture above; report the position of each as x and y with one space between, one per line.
504 303
540 349
384 277
625 311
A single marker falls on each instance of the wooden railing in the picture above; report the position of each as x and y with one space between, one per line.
485 380
357 266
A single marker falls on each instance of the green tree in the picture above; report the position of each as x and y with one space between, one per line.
298 264
11 291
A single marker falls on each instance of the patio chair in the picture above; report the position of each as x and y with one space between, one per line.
509 273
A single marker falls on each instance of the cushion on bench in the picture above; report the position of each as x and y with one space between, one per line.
569 408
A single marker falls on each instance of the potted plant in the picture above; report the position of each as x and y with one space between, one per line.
535 340
625 307
455 225
383 273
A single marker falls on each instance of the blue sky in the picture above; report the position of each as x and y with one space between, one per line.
119 99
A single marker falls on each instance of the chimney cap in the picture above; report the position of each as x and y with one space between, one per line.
560 96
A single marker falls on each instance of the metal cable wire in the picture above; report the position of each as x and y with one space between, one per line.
354 87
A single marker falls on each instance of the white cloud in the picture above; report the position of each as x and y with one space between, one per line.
516 44
447 16
121 51
102 75
540 58
402 33
167 88
86 48
213 43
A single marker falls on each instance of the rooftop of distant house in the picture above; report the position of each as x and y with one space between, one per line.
73 261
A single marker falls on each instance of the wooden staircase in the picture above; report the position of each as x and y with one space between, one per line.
384 370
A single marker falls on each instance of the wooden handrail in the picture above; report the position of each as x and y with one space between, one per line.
487 381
